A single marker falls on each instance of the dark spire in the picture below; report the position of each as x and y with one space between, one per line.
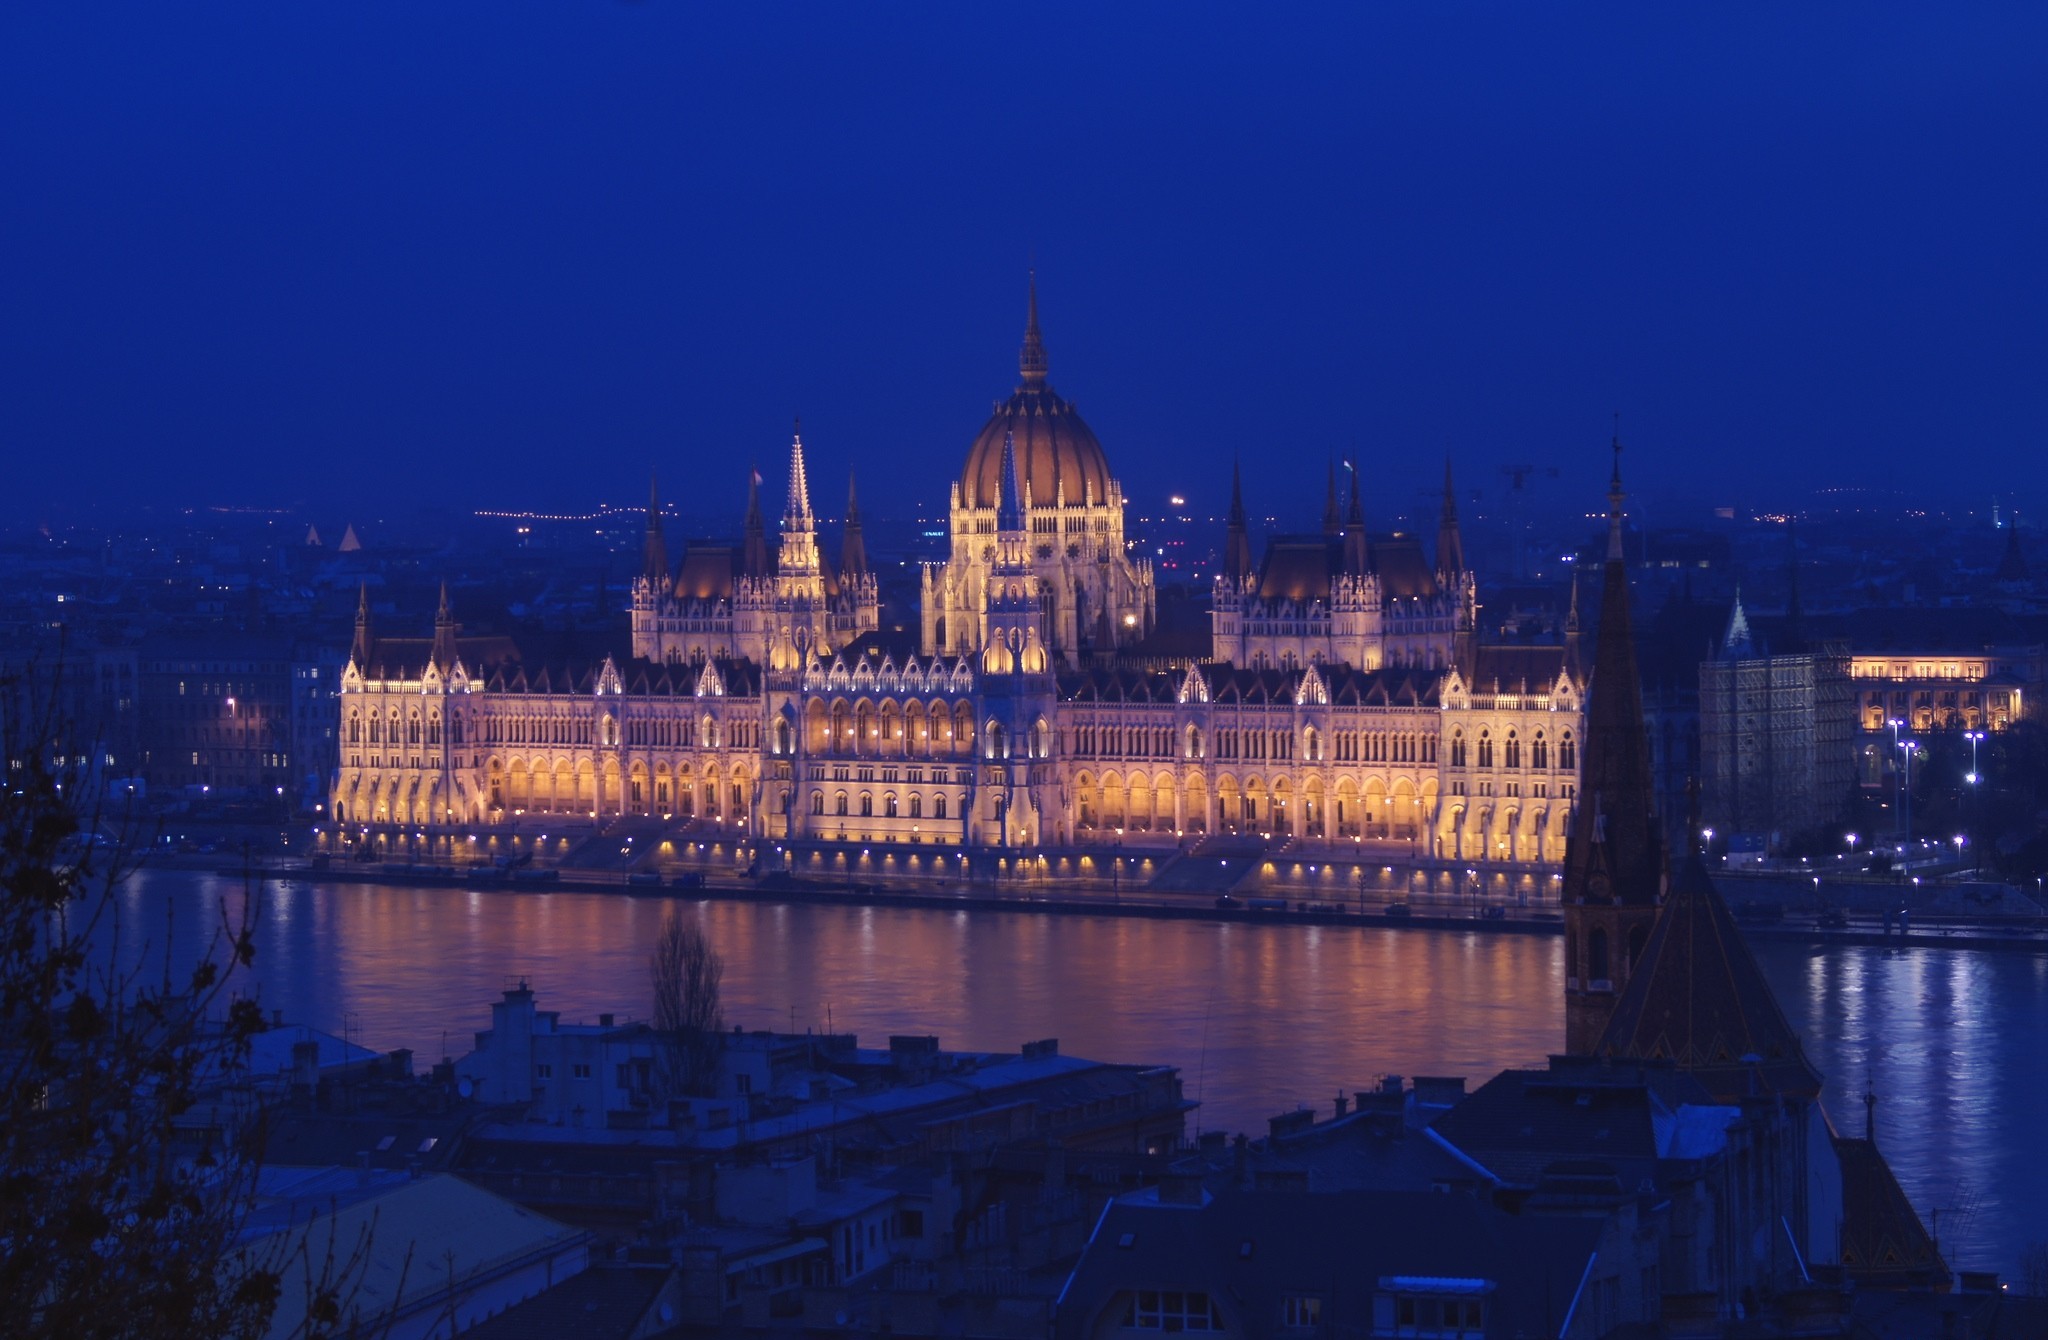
754 557
1614 498
1613 853
1357 549
853 555
1450 544
1571 627
1793 639
655 560
359 650
1031 362
444 632
1010 503
1237 545
1333 520
2012 566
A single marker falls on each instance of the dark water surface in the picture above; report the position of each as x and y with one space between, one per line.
1258 1018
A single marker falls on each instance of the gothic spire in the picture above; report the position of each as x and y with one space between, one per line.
655 559
1357 549
1450 543
359 650
1010 505
853 555
754 555
1237 545
1571 627
1614 499
444 632
1614 852
1031 362
797 513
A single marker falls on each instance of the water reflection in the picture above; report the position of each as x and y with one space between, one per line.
1258 1018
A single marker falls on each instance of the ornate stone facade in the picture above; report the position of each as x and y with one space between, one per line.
1346 706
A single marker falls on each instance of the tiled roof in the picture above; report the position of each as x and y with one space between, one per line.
1698 999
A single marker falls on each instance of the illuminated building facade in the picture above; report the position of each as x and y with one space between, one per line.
1346 702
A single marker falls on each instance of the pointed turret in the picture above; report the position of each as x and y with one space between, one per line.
359 650
1571 628
1357 549
853 554
799 555
754 556
1333 520
1031 360
1737 642
1450 544
1614 865
655 560
1237 544
445 630
796 513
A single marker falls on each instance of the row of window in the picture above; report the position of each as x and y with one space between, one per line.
1511 753
890 806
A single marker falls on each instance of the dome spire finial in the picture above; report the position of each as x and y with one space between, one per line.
1031 363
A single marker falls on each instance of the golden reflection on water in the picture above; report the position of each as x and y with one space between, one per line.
1258 1018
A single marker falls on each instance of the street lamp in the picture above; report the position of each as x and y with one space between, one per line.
1975 737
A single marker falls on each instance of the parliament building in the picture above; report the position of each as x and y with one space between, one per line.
1345 704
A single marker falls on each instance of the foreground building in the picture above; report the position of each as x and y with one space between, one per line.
1346 700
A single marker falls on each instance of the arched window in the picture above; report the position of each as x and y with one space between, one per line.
1312 745
782 736
867 805
889 805
1194 741
997 745
1458 749
1567 753
938 807
839 804
1539 752
355 729
1485 749
455 730
1514 751
817 802
917 807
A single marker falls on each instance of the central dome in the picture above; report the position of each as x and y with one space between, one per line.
1057 454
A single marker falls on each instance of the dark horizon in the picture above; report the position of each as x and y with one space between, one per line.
518 256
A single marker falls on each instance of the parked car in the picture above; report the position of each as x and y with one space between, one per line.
1398 911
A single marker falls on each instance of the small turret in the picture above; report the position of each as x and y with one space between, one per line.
359 650
1450 545
853 554
1031 360
445 631
1357 549
754 557
655 559
1237 545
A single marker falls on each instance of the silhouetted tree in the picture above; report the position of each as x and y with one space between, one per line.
114 1221
686 973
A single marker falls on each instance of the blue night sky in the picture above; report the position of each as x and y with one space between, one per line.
513 254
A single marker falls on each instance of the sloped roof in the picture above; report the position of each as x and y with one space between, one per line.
1884 1244
1305 567
1698 999
1516 669
1248 1251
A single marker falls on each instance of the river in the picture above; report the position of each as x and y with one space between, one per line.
1260 1018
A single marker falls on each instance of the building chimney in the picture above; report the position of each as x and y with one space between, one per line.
1343 1106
